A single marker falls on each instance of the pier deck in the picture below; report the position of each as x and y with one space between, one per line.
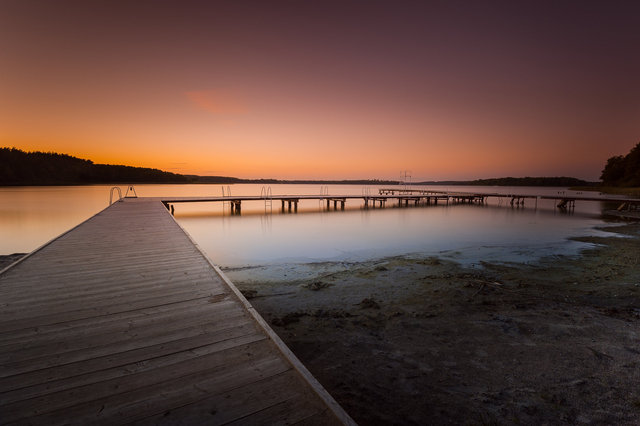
124 320
403 197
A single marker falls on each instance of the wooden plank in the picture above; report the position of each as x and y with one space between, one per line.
101 281
24 319
225 339
107 332
143 288
24 334
124 319
58 372
232 405
40 359
117 393
34 335
293 410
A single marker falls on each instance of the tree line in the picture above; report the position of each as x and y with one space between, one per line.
18 167
623 170
516 181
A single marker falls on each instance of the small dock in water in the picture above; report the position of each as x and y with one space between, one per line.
123 320
403 197
564 200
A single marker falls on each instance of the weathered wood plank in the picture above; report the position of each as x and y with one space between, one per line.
146 288
116 394
141 287
225 339
43 360
63 313
124 319
234 404
113 332
10 337
291 411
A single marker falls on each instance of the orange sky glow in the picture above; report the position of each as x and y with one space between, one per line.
324 90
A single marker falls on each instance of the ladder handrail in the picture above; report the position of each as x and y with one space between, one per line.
267 196
111 194
132 189
265 193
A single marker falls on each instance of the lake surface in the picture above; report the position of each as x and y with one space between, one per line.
263 235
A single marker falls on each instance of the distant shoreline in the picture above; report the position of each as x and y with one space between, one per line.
551 182
20 168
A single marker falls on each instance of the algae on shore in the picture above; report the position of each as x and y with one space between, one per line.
410 340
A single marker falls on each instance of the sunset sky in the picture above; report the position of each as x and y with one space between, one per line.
323 89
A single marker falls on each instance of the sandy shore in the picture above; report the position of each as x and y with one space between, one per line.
426 341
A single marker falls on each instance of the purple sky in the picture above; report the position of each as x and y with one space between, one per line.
448 90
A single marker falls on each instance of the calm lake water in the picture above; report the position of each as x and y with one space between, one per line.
31 216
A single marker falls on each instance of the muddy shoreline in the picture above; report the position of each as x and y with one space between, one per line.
427 341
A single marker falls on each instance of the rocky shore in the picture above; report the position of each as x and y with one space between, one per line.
426 341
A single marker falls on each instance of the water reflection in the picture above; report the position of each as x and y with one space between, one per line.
263 234
31 216
466 233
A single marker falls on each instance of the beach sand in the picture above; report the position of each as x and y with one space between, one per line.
427 341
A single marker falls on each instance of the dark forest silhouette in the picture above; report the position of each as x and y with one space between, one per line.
518 181
623 170
18 167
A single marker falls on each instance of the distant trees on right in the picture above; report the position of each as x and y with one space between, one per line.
623 170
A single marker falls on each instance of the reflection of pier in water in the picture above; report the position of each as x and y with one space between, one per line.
402 197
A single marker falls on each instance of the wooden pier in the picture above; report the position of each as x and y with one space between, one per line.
289 203
402 197
124 320
563 199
